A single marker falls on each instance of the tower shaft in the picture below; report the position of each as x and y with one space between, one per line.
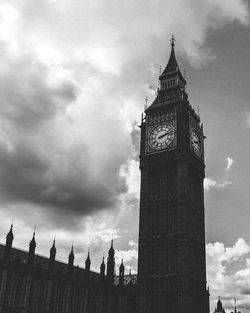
171 265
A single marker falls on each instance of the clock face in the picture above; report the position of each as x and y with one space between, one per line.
195 142
161 136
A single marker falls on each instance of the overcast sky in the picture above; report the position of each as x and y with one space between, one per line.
73 79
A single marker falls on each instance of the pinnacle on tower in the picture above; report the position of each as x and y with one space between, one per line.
111 264
10 236
52 256
87 263
33 240
235 308
219 305
121 273
102 268
111 250
32 248
71 256
122 266
71 261
53 248
9 241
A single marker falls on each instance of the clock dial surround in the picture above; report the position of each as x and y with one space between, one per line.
195 142
161 136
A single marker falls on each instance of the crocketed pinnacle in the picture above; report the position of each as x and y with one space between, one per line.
53 248
10 235
111 250
121 268
33 241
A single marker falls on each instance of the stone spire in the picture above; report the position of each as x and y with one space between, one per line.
111 264
9 241
87 263
32 248
219 307
52 255
172 84
71 257
102 268
121 273
172 65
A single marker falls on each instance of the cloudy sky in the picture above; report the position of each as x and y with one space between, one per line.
73 79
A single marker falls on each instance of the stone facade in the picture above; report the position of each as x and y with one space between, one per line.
31 283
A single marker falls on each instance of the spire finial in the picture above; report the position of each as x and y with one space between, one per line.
11 226
146 103
172 40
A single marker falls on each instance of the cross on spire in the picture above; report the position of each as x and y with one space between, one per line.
172 40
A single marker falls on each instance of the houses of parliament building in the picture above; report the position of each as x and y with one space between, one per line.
171 258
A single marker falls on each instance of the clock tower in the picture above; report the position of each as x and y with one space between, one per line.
171 264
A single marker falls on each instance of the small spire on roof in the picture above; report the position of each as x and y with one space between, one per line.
11 229
33 240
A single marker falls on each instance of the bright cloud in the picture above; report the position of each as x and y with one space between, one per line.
210 183
230 162
223 282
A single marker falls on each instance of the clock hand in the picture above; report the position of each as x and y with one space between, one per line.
169 132
162 136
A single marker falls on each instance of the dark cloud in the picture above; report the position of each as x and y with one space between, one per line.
245 291
39 165
26 176
27 98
